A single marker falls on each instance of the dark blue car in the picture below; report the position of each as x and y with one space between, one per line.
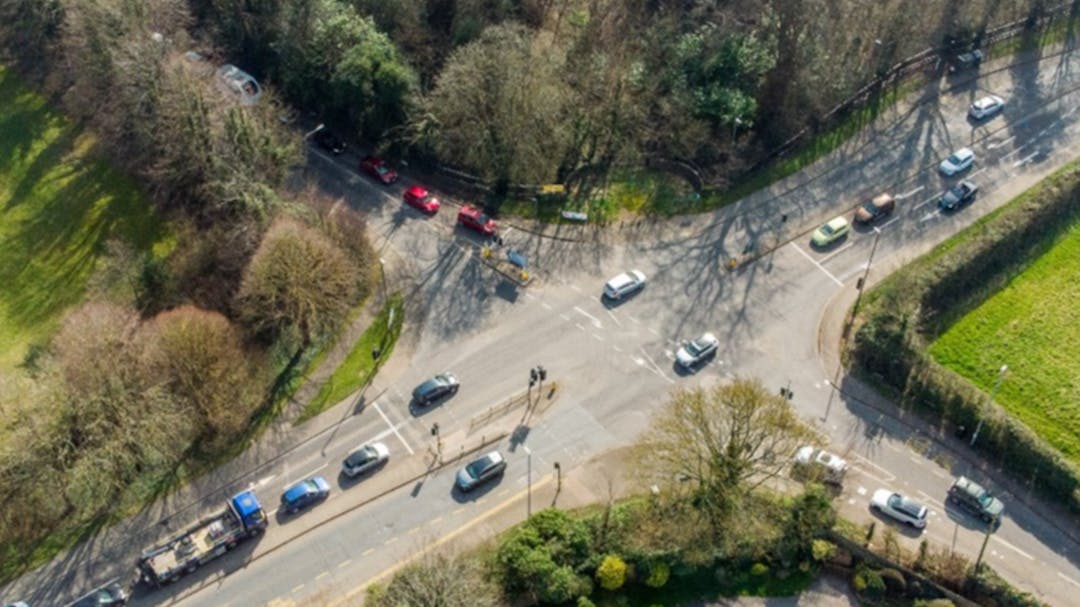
304 494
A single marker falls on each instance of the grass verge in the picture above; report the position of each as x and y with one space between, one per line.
1030 325
360 366
59 206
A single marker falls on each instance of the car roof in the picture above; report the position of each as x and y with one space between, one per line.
882 199
963 153
416 191
837 223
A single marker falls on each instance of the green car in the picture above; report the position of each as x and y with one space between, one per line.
837 228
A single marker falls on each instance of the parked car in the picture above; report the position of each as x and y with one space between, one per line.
305 493
480 470
239 83
378 169
329 141
958 196
365 459
624 284
17 604
986 107
420 198
692 353
834 230
820 465
966 61
436 388
960 160
900 508
108 595
976 500
475 219
878 207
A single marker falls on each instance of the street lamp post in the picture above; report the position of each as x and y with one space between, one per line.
993 392
314 130
528 476
861 285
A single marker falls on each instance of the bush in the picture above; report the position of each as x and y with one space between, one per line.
759 569
543 556
612 572
822 550
583 601
895 582
659 573
934 603
868 583
987 584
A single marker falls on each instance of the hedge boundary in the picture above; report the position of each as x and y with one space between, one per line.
904 314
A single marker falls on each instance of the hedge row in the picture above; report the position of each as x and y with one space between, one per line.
904 314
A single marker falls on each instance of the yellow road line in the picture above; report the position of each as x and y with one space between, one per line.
460 530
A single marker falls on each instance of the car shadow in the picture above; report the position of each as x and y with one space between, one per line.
832 245
347 482
964 519
418 410
464 497
612 304
901 528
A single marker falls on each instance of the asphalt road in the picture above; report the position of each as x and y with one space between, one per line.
614 363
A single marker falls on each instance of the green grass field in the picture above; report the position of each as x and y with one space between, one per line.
1033 326
59 205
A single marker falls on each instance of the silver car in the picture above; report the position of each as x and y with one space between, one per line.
624 284
364 459
692 353
480 471
899 507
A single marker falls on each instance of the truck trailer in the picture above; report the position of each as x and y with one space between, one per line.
204 541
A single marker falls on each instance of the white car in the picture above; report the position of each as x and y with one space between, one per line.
986 107
898 507
364 459
624 284
961 160
240 83
831 468
694 352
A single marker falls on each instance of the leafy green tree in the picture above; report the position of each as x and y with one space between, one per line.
544 556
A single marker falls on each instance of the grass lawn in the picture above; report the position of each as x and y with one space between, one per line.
1033 326
59 205
359 365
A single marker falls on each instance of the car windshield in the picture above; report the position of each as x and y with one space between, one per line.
955 159
694 348
381 169
361 457
985 500
870 206
903 504
827 229
477 468
482 219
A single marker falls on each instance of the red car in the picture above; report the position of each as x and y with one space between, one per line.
475 219
377 168
420 198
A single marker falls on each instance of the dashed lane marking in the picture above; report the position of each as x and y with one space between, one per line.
813 261
298 588
1013 548
597 337
1068 579
344 564
911 193
924 203
393 427
391 541
545 305
367 552
580 326
595 321
1024 160
613 318
323 575
564 317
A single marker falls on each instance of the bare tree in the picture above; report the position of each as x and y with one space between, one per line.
200 356
721 442
437 580
298 280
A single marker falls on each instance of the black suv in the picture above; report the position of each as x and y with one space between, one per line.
966 61
977 501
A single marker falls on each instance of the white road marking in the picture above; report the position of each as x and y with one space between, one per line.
655 367
654 332
266 479
322 575
636 321
819 266
1024 160
595 321
580 326
564 316
617 348
837 252
884 225
973 175
996 145
930 215
1065 577
613 319
890 475
545 305
1013 548
392 427
576 288
307 475
529 295
344 564
911 193
923 203
597 337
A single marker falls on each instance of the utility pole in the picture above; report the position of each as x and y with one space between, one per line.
861 284
986 538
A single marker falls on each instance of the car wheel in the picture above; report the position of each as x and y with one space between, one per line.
454 389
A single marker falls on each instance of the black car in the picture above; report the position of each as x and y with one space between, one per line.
106 596
435 388
958 196
966 61
327 140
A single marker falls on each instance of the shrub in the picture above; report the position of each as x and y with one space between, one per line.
934 603
759 569
822 550
583 601
895 583
868 582
612 572
659 573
